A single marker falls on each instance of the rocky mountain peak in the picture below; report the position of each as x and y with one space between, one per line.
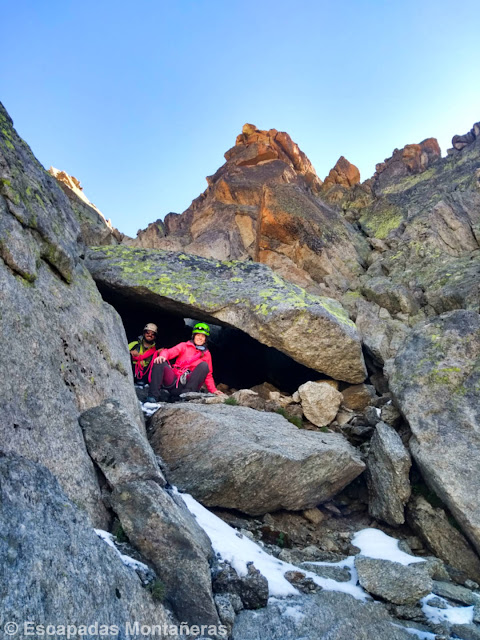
343 173
254 146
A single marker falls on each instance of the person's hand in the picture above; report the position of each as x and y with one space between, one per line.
219 393
159 360
134 352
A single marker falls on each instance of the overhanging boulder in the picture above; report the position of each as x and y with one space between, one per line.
314 331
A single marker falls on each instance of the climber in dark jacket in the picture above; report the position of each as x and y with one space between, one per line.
192 368
143 351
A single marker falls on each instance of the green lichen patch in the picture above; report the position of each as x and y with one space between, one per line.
410 181
210 284
380 221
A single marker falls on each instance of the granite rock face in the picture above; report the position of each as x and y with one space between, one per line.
65 348
314 331
435 379
55 569
388 466
425 227
238 458
94 228
331 615
156 522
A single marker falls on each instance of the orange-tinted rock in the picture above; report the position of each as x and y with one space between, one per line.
343 173
254 145
412 159
263 205
147 237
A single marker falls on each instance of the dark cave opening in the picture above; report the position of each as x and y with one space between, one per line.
239 361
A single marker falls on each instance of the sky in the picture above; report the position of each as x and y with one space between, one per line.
140 100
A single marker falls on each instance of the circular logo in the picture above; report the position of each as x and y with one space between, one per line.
10 628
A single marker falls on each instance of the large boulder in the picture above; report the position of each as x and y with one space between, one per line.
55 568
435 379
239 458
156 522
64 349
393 581
314 331
118 446
320 402
388 466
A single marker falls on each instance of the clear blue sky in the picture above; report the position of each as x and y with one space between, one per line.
140 100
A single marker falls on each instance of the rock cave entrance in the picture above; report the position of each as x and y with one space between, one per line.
239 361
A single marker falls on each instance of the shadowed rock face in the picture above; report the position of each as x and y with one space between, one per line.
388 466
263 205
314 331
255 462
64 348
442 538
435 379
55 569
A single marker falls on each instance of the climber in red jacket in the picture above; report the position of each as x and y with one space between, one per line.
193 367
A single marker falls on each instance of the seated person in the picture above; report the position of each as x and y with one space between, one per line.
193 367
143 350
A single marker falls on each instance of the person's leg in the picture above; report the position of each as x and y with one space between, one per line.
162 376
196 378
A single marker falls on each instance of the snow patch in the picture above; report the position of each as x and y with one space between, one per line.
373 543
127 560
423 635
239 550
454 615
149 408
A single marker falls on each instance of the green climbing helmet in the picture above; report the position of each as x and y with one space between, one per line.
201 327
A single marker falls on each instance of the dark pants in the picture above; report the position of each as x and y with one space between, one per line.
163 377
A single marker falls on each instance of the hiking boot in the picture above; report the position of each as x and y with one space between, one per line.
151 399
163 396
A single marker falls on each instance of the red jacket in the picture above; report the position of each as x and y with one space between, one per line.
188 357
